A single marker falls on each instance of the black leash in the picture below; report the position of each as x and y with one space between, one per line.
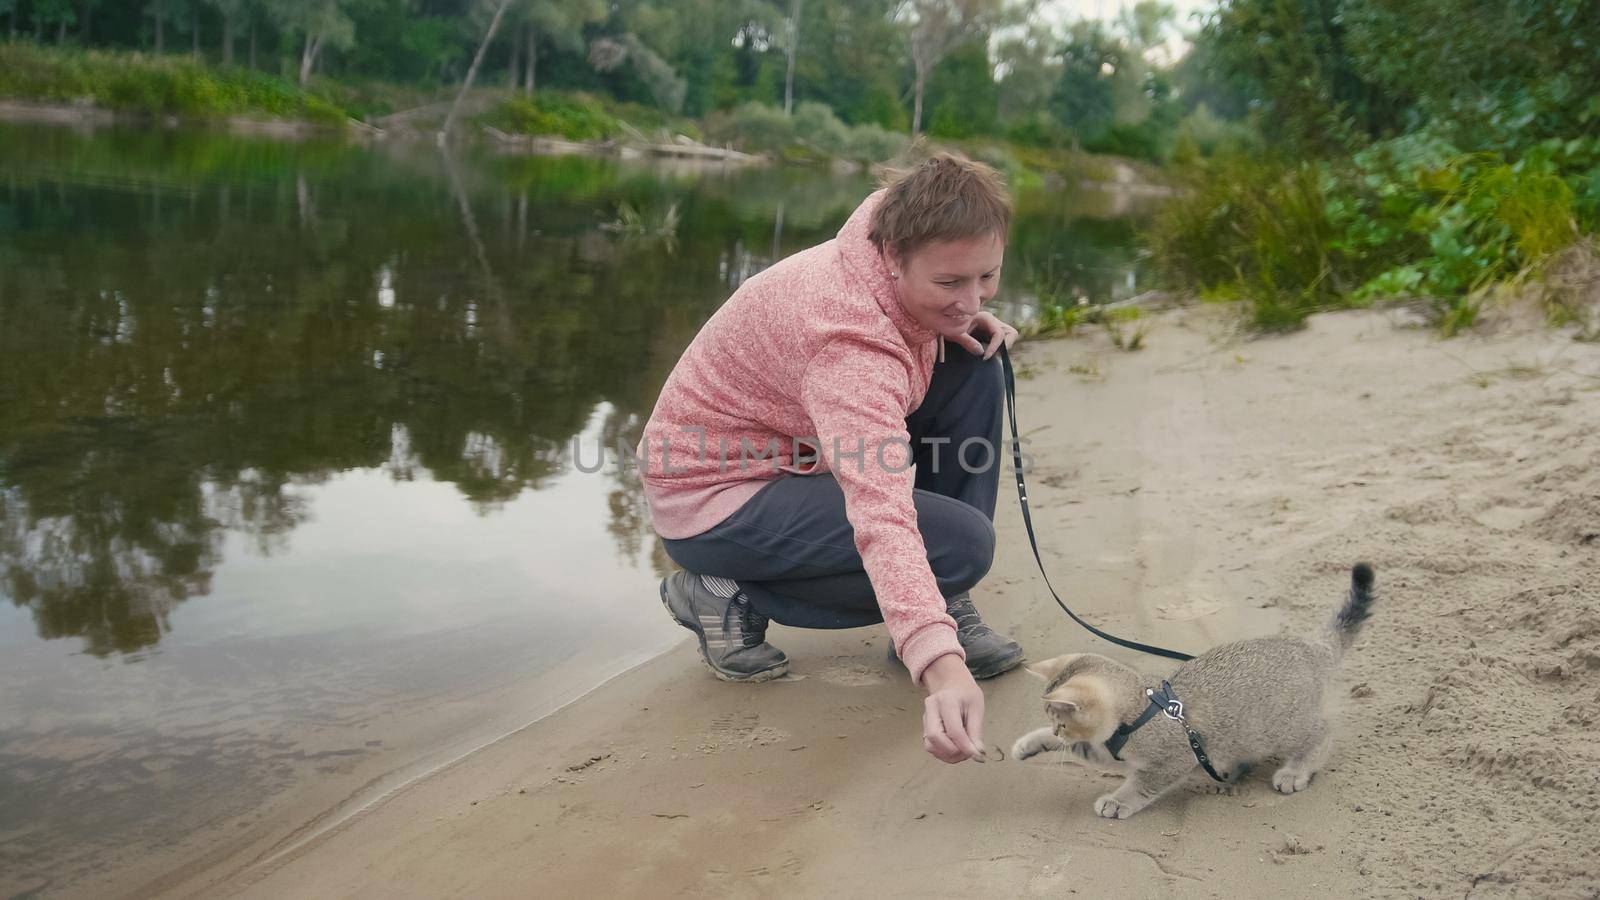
1027 521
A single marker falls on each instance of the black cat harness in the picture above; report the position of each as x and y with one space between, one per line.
1167 703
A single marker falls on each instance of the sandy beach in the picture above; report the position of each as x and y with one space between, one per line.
1200 490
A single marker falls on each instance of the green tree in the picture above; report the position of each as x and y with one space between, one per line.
1146 22
853 61
1090 58
1027 71
159 11
696 40
53 14
791 49
560 23
234 13
1484 73
963 97
317 24
1294 56
936 28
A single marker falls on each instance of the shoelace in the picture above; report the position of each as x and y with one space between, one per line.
752 625
966 615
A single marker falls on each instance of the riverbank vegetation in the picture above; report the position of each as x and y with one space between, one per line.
1440 151
799 80
153 85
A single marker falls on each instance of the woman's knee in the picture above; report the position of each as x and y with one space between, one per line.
960 542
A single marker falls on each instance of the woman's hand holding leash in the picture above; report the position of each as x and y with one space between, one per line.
986 323
952 714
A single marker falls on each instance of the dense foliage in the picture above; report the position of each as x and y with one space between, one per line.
1427 148
829 77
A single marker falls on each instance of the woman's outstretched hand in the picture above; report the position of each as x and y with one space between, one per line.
995 330
952 714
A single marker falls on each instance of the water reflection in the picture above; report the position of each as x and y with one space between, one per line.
177 347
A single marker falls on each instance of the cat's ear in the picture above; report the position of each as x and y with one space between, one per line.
1047 670
1065 707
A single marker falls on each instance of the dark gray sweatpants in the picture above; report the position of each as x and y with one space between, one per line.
793 553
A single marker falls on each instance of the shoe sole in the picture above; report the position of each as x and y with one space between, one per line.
777 671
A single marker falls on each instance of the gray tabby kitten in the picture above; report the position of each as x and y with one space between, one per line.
1247 700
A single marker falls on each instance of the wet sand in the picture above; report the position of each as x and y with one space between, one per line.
1198 491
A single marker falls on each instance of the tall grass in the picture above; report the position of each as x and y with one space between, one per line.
1409 218
1259 231
153 85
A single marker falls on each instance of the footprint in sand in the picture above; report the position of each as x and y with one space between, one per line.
740 731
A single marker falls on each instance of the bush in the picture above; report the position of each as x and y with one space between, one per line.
872 143
1038 129
1262 228
575 117
1209 135
815 124
152 85
758 128
813 133
1407 217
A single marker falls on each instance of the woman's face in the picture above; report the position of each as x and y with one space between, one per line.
943 285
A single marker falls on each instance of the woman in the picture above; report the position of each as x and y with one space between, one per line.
817 458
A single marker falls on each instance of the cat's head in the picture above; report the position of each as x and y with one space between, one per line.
1087 695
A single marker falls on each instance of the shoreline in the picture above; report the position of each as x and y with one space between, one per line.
1124 181
71 114
1198 491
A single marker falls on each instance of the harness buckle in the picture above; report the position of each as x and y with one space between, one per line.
1170 706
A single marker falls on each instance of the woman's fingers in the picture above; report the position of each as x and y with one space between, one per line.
942 734
952 712
997 331
934 739
974 722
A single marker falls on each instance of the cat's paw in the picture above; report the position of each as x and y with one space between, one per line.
1028 746
1287 780
1109 807
1083 750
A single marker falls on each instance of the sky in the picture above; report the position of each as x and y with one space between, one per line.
1063 12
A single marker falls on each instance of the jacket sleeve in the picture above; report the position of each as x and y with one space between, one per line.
856 393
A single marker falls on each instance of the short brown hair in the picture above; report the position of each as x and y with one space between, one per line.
946 197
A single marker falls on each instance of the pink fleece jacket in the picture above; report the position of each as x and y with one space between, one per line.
813 354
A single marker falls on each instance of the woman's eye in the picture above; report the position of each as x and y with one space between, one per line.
988 277
949 283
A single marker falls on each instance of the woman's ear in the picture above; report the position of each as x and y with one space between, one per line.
895 262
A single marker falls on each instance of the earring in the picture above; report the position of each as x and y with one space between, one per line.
894 274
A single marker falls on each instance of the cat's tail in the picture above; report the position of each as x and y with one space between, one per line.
1355 609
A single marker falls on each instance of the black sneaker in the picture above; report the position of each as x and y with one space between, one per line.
988 654
732 635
